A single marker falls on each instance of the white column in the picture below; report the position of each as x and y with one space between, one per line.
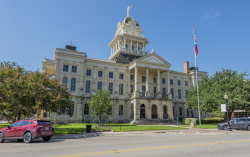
136 80
143 47
168 83
147 80
137 47
159 80
119 44
124 44
116 46
131 46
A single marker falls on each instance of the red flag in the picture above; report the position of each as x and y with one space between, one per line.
195 45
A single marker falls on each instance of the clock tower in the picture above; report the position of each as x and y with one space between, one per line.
128 40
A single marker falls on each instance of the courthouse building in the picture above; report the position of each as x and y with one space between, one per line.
141 83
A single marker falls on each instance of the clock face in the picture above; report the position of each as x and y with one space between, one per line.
132 26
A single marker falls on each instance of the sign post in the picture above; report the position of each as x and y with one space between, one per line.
223 108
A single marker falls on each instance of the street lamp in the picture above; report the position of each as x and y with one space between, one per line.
228 128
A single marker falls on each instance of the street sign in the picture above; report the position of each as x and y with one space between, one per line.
223 108
120 117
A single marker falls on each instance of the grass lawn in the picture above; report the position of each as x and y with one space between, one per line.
203 126
206 126
77 128
2 125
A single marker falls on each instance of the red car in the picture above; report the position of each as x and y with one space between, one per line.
27 131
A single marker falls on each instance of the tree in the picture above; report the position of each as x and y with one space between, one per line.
212 91
23 93
100 104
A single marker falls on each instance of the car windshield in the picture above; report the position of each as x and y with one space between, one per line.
43 122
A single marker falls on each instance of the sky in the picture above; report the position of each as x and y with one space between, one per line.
31 30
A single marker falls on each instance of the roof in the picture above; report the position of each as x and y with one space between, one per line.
127 19
125 58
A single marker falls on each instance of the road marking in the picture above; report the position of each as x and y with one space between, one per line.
152 148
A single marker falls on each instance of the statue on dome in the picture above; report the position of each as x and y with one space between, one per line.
128 10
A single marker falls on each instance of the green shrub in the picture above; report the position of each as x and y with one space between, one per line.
212 120
187 121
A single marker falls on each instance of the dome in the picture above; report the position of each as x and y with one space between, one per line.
127 19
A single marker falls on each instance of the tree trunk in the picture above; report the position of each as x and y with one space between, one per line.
100 117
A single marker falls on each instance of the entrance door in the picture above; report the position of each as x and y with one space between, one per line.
142 115
154 112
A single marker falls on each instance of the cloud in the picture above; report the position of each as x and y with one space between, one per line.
211 16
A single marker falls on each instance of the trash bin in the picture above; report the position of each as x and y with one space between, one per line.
88 129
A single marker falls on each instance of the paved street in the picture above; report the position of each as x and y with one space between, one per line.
186 143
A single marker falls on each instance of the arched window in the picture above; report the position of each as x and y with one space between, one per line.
64 82
73 85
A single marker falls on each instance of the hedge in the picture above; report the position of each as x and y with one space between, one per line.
204 120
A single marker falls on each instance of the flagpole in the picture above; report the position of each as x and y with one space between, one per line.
197 85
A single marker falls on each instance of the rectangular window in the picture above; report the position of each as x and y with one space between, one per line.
99 73
143 78
154 89
121 76
186 93
99 86
111 75
179 93
172 92
173 111
111 88
73 109
74 69
163 81
164 90
88 72
86 109
87 86
187 113
154 79
171 82
121 110
179 83
180 111
65 68
131 88
120 89
132 77
186 83
143 89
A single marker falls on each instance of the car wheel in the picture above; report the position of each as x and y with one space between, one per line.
20 140
1 138
27 137
248 128
224 127
47 138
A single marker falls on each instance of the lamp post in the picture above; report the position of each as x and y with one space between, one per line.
229 127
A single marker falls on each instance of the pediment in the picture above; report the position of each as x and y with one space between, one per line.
154 58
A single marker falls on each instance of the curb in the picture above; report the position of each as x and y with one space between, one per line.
137 133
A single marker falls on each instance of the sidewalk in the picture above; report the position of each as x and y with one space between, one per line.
189 131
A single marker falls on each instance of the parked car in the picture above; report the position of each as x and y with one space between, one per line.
27 131
236 123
